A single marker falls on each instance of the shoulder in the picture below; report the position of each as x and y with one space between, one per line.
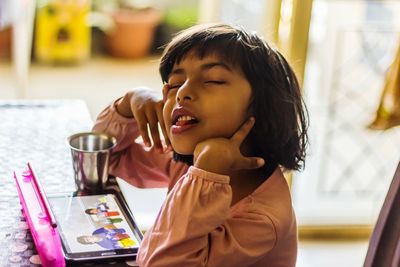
273 201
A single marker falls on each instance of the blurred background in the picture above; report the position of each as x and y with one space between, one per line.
345 53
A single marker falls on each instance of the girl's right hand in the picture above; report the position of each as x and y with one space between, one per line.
223 155
147 108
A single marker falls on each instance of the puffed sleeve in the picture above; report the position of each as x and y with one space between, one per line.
195 227
132 161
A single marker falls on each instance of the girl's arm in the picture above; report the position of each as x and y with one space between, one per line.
195 228
140 166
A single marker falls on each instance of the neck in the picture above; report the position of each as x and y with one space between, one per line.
244 182
243 177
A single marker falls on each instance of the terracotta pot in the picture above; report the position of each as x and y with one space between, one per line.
134 32
5 42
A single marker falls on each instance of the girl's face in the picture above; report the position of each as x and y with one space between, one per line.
205 98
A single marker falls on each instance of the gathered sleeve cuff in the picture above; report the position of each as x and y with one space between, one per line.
130 160
124 129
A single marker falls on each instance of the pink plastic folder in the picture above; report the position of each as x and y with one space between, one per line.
40 219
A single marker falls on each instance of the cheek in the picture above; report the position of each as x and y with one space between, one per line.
232 116
235 108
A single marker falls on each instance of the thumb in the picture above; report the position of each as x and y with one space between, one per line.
248 163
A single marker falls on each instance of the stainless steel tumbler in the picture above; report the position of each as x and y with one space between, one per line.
90 158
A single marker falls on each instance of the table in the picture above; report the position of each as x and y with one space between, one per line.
35 131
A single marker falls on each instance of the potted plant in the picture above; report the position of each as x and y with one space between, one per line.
130 29
5 42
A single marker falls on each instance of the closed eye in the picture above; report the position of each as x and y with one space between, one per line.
174 86
216 82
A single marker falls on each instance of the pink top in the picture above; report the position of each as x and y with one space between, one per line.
196 225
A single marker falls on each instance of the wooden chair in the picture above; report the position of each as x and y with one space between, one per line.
384 245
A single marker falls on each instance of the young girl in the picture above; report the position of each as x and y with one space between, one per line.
233 115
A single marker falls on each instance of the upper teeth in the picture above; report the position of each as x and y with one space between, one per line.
186 118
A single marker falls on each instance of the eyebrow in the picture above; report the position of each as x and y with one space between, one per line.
204 67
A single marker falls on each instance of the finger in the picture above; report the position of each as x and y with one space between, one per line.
142 124
249 163
162 124
243 131
165 91
153 126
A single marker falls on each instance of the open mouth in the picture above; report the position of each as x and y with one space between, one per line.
184 120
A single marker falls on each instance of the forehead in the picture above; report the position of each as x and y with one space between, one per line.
194 54
205 59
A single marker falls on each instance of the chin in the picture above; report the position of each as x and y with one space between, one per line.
183 149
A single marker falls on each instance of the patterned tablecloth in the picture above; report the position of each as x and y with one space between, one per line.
34 131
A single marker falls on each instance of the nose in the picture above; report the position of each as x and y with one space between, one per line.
185 93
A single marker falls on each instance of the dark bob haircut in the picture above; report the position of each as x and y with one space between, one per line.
281 119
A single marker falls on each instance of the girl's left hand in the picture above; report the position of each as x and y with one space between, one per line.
222 155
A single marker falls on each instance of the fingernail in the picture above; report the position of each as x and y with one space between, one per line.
260 162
